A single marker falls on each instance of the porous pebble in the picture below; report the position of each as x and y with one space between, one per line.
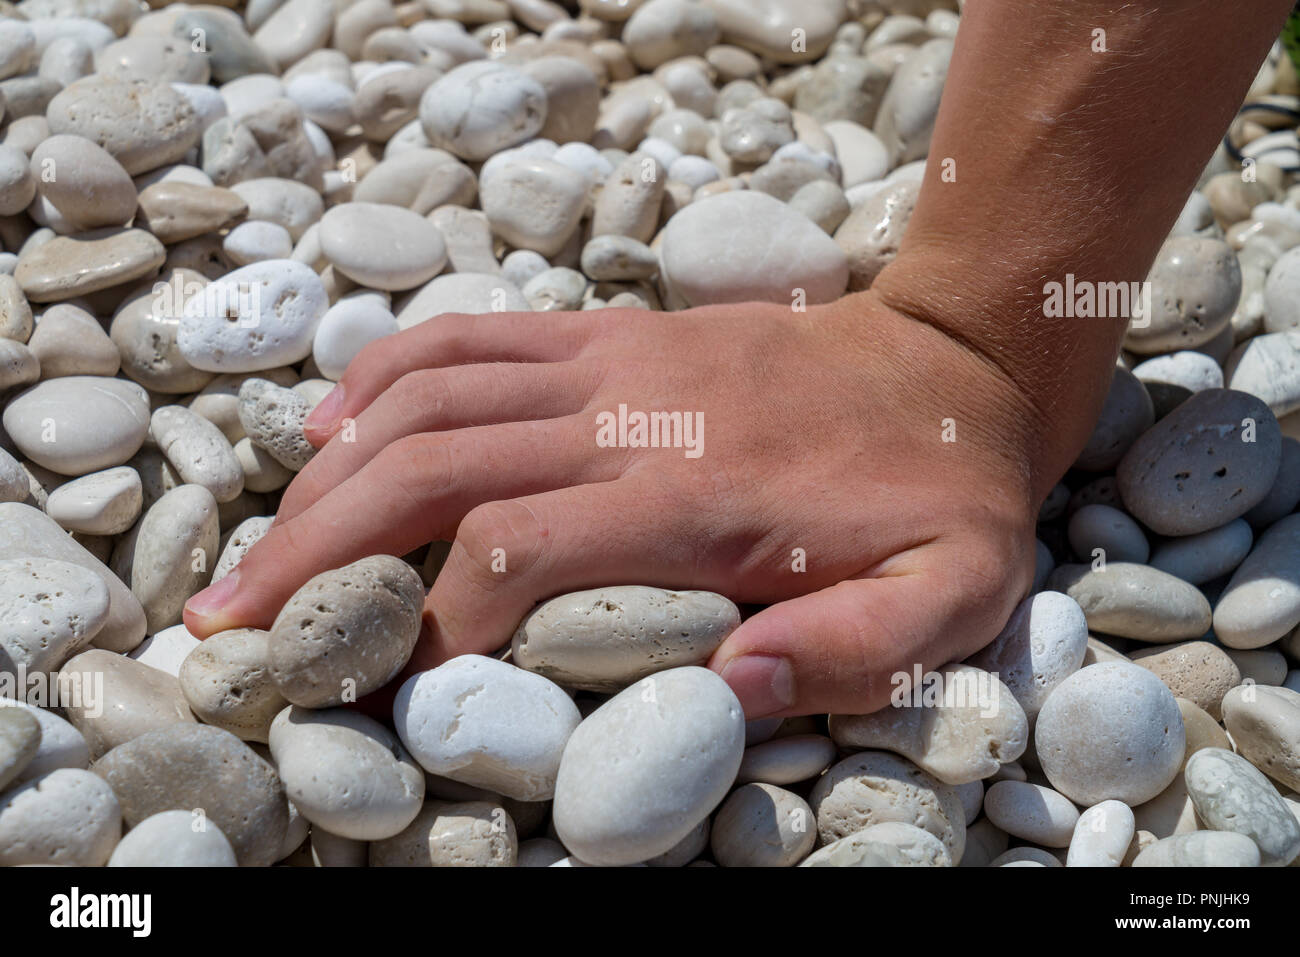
227 682
49 610
68 817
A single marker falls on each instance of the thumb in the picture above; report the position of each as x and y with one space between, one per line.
838 650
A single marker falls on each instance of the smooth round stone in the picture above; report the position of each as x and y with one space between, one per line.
486 723
1110 731
1126 414
1199 467
258 317
572 97
647 766
907 113
166 650
873 231
144 124
175 549
20 739
630 201
786 760
752 134
1135 601
1100 527
1265 726
618 258
349 326
103 502
262 473
1202 849
71 266
745 246
227 682
67 818
760 825
766 27
79 424
198 451
70 341
510 199
892 844
1032 812
120 699
1042 644
662 30
874 787
606 639
1268 367
27 532
1026 857
1264 666
49 609
1102 836
382 246
481 108
1196 670
540 852
173 839
1169 379
972 726
1230 794
273 419
293 205
84 182
1196 283
59 744
346 772
452 834
346 632
1206 556
195 766
144 330
175 211
255 241
461 294
1262 601
294 30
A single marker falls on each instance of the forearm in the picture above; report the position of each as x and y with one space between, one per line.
1066 160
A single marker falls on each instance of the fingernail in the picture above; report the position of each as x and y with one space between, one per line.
763 683
214 597
326 413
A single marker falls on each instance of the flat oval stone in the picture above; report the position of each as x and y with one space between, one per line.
346 772
760 825
49 610
60 745
71 266
891 844
961 730
745 246
382 246
1126 414
27 532
349 326
68 818
1262 601
1196 283
1230 794
874 787
101 503
171 839
175 211
79 424
1135 601
70 341
462 294
346 632
765 26
1202 849
195 766
481 108
85 183
198 451
1265 726
786 760
1207 462
452 834
227 682
1204 557
119 699
20 739
175 549
258 317
1043 643
1032 812
486 723
647 766
144 329
1111 731
1102 531
144 124
1102 836
606 639
1196 670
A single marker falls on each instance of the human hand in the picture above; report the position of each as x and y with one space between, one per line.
900 463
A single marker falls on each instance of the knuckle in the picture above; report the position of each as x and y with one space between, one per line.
507 531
